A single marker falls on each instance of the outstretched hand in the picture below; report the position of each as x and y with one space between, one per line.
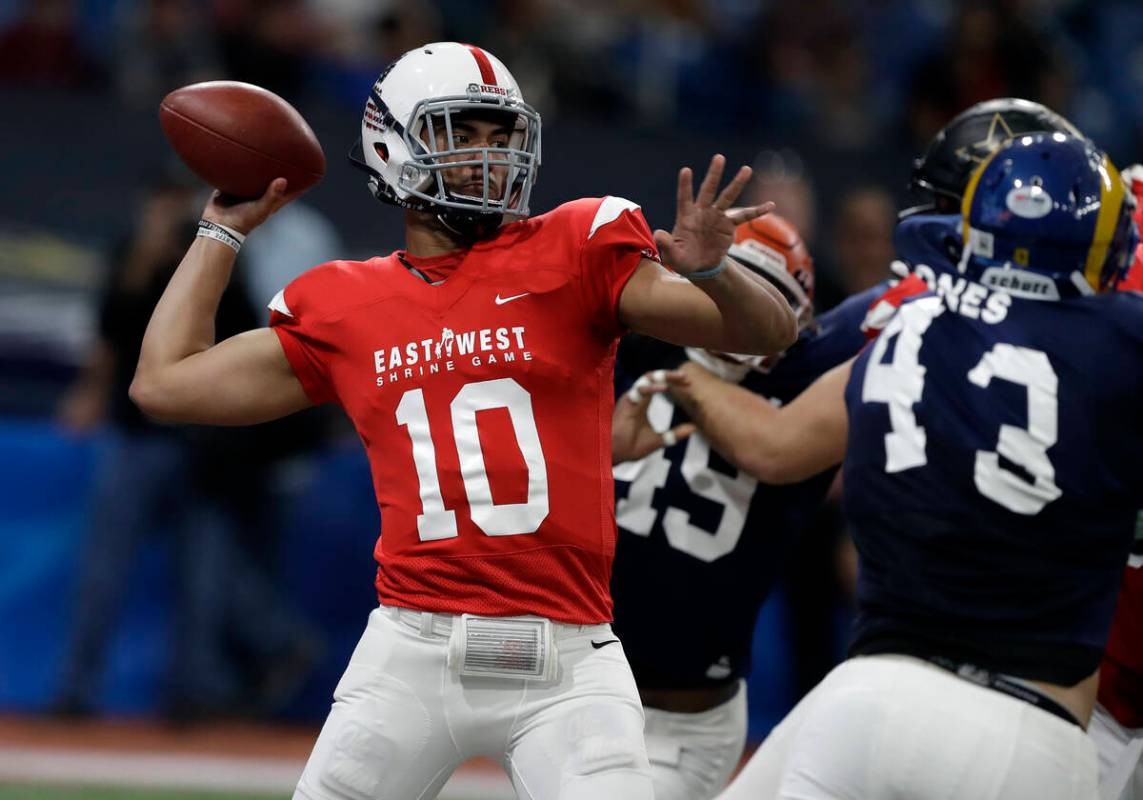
704 225
632 436
245 215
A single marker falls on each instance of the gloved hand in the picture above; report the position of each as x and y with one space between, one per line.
885 307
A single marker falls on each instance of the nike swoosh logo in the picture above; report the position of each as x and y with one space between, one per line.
598 645
502 300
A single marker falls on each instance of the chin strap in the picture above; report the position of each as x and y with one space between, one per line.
470 226
728 371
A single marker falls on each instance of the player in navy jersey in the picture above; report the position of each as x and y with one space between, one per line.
802 438
993 472
702 541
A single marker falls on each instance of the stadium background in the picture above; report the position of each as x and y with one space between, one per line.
829 100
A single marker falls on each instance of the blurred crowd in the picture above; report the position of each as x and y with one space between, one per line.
238 644
846 74
838 95
845 81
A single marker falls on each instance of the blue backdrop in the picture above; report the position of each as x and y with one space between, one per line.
327 541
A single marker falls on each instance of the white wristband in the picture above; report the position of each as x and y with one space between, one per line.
221 233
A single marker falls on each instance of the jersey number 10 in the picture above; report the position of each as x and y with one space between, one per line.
505 519
901 382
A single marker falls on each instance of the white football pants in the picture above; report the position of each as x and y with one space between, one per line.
1120 770
693 755
402 720
897 728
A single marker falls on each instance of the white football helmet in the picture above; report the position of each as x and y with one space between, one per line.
415 99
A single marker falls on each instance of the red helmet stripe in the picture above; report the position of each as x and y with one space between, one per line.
487 75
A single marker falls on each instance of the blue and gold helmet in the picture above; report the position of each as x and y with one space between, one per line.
1046 216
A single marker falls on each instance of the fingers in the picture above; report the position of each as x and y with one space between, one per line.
654 382
654 388
728 195
647 385
640 393
708 189
275 196
277 193
740 215
686 190
637 438
710 182
678 433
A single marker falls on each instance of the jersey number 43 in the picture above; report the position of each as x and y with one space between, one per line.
901 382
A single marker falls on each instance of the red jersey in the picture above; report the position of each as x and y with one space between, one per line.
484 403
1134 277
1121 673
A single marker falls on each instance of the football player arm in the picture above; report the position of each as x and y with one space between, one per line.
775 445
720 305
183 375
735 311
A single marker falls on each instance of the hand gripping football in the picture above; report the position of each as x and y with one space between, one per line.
238 137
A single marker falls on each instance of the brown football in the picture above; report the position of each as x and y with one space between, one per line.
238 137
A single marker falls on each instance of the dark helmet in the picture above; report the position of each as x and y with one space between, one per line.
942 172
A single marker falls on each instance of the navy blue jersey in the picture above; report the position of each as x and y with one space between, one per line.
993 472
700 542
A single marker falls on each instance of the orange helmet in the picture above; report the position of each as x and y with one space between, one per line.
772 247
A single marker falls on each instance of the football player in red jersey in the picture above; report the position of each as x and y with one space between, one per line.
1117 722
1133 177
476 365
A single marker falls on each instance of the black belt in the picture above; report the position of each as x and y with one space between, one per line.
689 701
1005 685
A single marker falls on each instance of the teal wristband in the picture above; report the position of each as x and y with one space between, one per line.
707 274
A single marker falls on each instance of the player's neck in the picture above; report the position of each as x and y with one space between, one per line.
426 237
